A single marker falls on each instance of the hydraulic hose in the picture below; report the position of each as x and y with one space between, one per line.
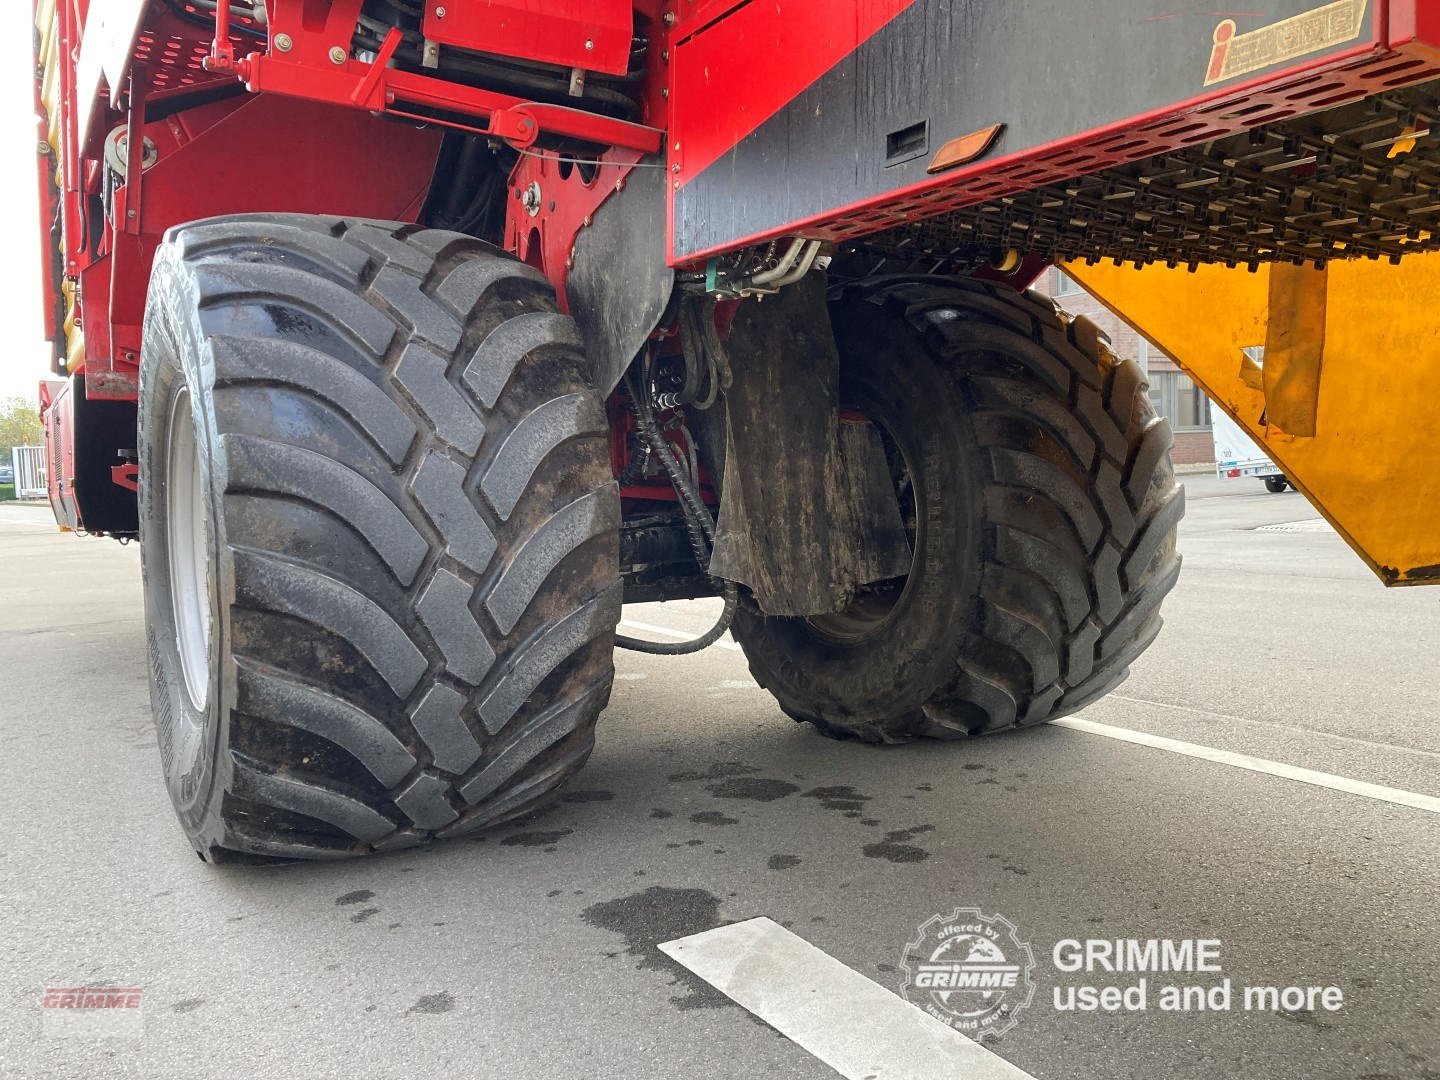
698 527
683 648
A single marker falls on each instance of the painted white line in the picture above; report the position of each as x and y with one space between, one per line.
852 1024
651 628
1397 796
1309 525
1309 733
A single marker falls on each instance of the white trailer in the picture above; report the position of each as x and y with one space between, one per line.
1236 455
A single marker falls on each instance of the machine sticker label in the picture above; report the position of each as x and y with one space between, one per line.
970 971
1310 32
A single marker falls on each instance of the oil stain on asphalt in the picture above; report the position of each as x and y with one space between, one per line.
645 919
894 849
433 1003
843 798
718 770
713 817
754 788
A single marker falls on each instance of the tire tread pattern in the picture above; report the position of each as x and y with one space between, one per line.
1078 502
487 611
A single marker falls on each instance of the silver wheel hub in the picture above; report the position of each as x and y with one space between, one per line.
187 545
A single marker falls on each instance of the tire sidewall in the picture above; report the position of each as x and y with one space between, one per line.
176 357
888 373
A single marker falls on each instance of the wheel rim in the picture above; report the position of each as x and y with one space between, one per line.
874 606
187 546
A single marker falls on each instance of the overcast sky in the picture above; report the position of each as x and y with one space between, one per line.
23 361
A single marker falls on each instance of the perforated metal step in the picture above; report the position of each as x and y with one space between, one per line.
1362 179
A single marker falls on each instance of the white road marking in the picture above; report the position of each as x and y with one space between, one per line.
1211 714
651 628
852 1024
1397 796
1317 525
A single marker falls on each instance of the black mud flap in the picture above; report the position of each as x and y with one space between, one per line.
808 512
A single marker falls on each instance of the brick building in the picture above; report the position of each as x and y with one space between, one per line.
1173 394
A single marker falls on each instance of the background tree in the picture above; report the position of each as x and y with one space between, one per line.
19 425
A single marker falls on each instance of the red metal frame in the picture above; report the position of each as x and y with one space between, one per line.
1414 25
57 407
783 56
590 34
569 196
315 63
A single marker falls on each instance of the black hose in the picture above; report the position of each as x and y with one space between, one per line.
697 516
684 648
698 526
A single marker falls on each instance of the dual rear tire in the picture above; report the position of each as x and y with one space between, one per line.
1043 509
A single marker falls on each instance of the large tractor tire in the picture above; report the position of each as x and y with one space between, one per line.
1037 485
379 535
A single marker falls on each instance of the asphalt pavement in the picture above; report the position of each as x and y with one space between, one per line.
534 951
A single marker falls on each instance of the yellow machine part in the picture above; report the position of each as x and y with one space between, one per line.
47 25
1345 398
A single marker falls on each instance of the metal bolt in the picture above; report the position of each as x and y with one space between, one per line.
42 147
586 222
589 45
668 18
439 12
337 55
665 91
677 146
283 43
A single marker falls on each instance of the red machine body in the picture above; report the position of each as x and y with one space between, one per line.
767 124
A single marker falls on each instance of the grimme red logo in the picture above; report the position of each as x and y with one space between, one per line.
91 997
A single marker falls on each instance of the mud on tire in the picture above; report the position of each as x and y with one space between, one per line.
401 545
1044 507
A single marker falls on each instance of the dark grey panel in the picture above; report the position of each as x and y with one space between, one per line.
1047 69
620 284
